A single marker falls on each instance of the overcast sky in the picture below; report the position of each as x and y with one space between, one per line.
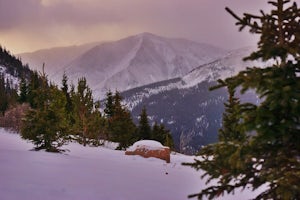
28 25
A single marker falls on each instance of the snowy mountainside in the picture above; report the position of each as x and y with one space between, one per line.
54 58
221 68
139 60
13 80
185 105
12 69
193 115
133 61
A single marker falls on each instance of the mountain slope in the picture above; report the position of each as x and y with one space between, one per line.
55 58
140 60
186 106
134 61
12 68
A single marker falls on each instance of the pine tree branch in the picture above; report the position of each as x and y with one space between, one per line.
247 21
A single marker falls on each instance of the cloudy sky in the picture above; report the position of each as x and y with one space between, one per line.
28 25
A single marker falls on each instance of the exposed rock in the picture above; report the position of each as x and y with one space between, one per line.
150 148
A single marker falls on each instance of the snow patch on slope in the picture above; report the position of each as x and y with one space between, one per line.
13 81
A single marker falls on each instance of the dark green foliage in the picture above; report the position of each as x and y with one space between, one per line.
120 125
224 160
33 86
8 94
160 134
144 129
13 65
65 90
46 124
260 144
23 91
58 114
279 31
86 116
123 129
3 96
231 119
109 105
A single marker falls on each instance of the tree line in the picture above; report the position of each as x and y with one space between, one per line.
58 115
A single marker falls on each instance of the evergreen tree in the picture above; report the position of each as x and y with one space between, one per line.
121 127
160 134
3 96
231 117
69 104
65 90
23 90
88 124
144 129
269 152
33 87
169 142
109 105
83 107
156 133
46 124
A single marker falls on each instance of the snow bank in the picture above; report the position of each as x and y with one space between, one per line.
147 144
92 173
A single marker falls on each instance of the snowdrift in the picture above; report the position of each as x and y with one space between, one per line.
89 173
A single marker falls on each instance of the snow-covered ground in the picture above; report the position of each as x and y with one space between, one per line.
89 173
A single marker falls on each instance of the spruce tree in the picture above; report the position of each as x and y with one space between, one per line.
109 108
3 95
83 108
88 124
269 152
45 125
23 90
162 135
121 127
65 90
33 86
144 129
69 107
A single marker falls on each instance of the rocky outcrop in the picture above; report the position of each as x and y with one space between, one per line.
146 149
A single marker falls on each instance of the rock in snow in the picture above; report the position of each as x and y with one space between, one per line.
149 148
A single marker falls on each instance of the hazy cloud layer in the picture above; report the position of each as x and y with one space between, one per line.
27 25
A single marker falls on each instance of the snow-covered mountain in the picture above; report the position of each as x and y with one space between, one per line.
170 77
55 59
186 106
131 62
221 68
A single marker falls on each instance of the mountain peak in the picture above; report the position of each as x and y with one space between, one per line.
129 62
147 35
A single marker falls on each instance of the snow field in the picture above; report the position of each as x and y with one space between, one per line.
90 173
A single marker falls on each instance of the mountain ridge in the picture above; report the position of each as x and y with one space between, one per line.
133 61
